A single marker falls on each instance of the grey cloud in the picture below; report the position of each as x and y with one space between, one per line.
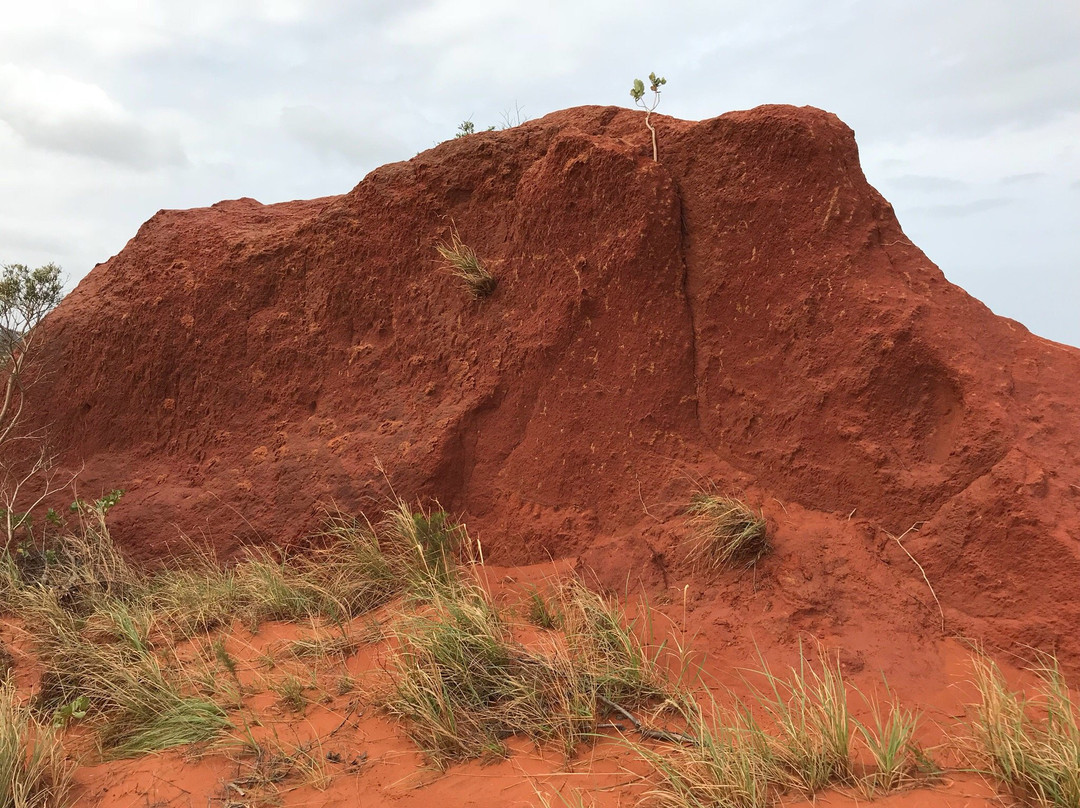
124 143
1021 179
54 112
332 138
960 209
920 182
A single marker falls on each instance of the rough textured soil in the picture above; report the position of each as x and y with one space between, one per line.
745 314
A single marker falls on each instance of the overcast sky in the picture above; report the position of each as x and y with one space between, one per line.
967 112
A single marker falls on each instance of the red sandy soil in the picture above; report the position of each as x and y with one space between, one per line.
376 765
744 314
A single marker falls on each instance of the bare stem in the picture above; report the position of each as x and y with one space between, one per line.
648 112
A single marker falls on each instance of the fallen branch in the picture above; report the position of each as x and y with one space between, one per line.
649 732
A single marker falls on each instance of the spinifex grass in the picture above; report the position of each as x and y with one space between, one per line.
889 739
463 685
33 770
1033 745
811 743
726 533
725 768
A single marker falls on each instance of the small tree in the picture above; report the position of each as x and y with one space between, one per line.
26 296
637 92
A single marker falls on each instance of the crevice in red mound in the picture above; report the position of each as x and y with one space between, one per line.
745 313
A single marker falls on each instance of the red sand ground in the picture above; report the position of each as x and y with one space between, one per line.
746 314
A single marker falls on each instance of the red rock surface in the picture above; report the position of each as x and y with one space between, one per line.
746 313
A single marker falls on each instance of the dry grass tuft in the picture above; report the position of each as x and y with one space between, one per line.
34 772
726 533
1033 746
463 263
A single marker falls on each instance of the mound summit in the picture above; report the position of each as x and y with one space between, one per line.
745 313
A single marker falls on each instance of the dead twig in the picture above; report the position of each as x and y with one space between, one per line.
915 528
648 732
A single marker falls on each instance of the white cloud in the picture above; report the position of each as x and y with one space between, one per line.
333 137
955 106
53 111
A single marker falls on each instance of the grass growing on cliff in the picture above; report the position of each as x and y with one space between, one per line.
726 533
462 262
1033 745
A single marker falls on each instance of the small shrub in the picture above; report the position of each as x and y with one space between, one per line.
726 533
463 263
467 127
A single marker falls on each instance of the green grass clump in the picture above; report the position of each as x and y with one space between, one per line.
793 734
423 550
540 613
1033 745
725 768
890 741
604 644
141 702
292 693
34 772
810 746
726 533
463 685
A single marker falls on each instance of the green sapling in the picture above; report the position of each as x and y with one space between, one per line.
637 92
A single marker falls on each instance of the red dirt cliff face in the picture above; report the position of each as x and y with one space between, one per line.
747 313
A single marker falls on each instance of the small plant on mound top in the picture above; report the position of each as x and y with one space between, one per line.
637 92
467 127
726 533
462 262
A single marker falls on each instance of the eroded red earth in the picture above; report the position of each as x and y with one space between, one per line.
745 314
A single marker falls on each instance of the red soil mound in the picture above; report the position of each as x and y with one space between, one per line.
745 313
